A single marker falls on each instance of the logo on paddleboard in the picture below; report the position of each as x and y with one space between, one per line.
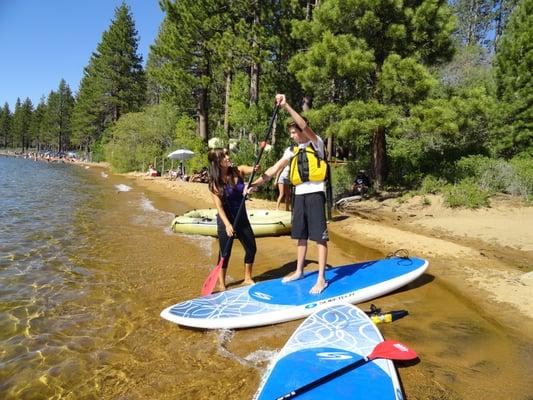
401 347
334 355
312 305
262 296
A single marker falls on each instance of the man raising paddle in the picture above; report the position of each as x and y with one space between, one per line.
307 173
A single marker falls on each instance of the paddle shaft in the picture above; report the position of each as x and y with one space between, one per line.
324 379
238 216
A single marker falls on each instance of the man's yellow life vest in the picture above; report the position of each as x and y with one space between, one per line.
307 166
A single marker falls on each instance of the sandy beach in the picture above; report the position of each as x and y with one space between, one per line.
485 255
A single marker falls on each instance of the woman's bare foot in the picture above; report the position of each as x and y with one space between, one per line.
221 288
319 287
248 281
292 277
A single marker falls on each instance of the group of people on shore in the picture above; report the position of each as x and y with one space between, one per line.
47 156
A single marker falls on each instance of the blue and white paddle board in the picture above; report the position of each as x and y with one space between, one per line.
273 301
328 340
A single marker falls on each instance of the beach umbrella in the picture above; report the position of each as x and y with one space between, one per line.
181 154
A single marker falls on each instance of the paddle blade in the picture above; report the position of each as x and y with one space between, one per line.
211 280
392 350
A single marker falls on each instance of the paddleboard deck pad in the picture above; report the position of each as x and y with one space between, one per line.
273 301
328 340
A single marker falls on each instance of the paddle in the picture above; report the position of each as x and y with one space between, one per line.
211 280
389 349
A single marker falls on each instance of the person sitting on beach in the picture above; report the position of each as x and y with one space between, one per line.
361 183
151 171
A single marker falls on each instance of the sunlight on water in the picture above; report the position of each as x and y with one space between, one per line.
86 265
123 188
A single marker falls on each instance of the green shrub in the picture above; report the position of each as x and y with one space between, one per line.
342 179
432 185
466 193
514 177
471 166
524 171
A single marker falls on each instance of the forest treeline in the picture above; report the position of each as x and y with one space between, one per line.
423 94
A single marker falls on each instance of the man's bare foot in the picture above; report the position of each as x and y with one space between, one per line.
319 287
221 288
292 277
248 281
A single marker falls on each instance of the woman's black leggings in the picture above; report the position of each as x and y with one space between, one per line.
245 235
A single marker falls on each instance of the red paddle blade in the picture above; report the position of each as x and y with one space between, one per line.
211 280
392 350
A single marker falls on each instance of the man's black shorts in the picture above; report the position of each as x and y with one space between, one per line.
309 217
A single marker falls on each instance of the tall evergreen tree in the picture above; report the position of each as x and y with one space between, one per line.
88 117
184 50
514 62
59 114
113 83
17 125
37 125
5 126
21 123
119 66
365 65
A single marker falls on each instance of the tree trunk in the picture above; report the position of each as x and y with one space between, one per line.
254 67
254 83
226 102
379 157
307 103
202 112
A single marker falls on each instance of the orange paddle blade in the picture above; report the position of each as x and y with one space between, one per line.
211 280
392 350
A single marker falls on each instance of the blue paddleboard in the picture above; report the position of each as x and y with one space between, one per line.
328 340
273 301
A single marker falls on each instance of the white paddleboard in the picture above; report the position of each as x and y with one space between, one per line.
325 342
273 301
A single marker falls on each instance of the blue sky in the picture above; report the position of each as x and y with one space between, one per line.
42 41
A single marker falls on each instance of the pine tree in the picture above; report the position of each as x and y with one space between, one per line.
21 123
185 53
88 117
58 116
371 56
119 67
5 126
37 125
113 83
515 83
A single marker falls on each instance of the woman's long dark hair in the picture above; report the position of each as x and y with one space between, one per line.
216 181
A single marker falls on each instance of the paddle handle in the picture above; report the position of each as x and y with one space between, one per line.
326 378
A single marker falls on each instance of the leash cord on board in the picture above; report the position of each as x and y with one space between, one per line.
400 253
